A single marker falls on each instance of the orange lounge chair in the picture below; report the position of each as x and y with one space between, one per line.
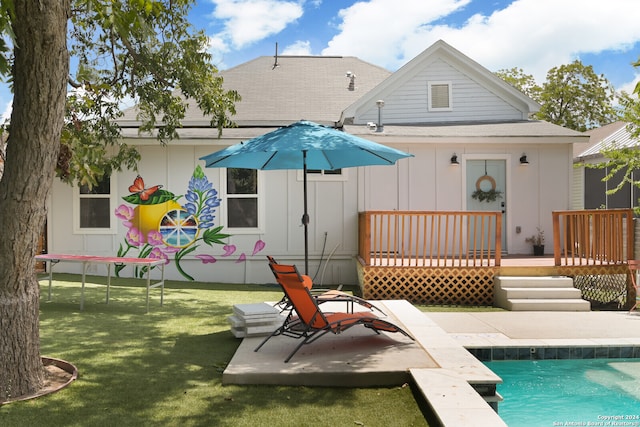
634 266
309 323
323 295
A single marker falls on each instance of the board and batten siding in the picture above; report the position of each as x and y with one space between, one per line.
470 100
333 213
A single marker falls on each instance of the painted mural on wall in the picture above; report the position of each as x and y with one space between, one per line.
160 225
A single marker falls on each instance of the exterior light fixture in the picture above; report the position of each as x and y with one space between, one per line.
454 159
523 159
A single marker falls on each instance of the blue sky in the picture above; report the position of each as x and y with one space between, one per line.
534 35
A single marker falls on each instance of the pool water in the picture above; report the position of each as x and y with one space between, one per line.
577 392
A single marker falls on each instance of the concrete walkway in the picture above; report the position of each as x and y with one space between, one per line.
518 329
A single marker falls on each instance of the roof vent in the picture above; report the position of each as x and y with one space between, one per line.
352 81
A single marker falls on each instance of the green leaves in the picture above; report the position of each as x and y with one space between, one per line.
213 236
160 196
573 95
140 50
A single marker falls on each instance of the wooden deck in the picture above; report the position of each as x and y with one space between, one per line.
453 257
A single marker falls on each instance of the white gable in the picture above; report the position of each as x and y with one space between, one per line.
477 95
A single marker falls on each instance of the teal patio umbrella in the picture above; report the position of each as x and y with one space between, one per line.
304 145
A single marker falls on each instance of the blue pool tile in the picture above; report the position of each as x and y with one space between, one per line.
576 353
588 353
564 353
626 352
499 353
524 353
602 353
511 353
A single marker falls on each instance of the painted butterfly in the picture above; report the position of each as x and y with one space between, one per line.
138 188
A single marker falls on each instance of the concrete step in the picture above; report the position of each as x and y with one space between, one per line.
533 281
541 293
545 293
548 305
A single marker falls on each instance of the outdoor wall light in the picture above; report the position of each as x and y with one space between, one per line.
454 159
523 160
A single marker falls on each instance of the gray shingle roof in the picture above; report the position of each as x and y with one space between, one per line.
614 134
278 96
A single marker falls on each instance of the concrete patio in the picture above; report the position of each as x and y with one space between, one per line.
438 363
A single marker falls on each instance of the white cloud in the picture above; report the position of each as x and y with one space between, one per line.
534 35
248 21
6 113
300 48
378 30
629 87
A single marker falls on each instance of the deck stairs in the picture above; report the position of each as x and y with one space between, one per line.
544 293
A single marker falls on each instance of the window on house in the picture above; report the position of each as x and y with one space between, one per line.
324 175
242 198
94 207
440 96
325 172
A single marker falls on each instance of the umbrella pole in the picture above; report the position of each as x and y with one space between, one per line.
305 216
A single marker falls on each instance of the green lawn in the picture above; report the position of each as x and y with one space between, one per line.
164 368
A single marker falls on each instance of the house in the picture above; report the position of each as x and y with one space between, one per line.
590 190
469 131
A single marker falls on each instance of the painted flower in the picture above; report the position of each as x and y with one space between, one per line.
241 258
124 212
191 208
228 250
156 253
206 259
212 199
206 221
134 237
258 247
170 249
154 238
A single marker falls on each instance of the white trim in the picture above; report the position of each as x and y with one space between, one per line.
343 176
224 214
113 200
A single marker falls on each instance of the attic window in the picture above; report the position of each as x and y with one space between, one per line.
439 96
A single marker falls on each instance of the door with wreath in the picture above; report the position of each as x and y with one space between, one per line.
486 191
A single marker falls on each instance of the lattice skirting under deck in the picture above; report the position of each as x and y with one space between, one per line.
474 285
429 285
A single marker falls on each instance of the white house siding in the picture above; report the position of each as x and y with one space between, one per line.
332 210
428 181
409 102
577 188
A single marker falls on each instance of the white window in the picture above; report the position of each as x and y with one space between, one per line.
440 95
324 175
93 208
241 203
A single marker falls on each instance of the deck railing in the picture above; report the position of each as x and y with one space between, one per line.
430 238
593 237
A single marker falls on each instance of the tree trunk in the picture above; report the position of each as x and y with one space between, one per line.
40 73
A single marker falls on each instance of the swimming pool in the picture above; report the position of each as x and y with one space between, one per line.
581 392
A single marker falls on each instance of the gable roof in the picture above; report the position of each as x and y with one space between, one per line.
614 135
440 50
314 88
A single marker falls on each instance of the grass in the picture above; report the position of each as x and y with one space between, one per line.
165 368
